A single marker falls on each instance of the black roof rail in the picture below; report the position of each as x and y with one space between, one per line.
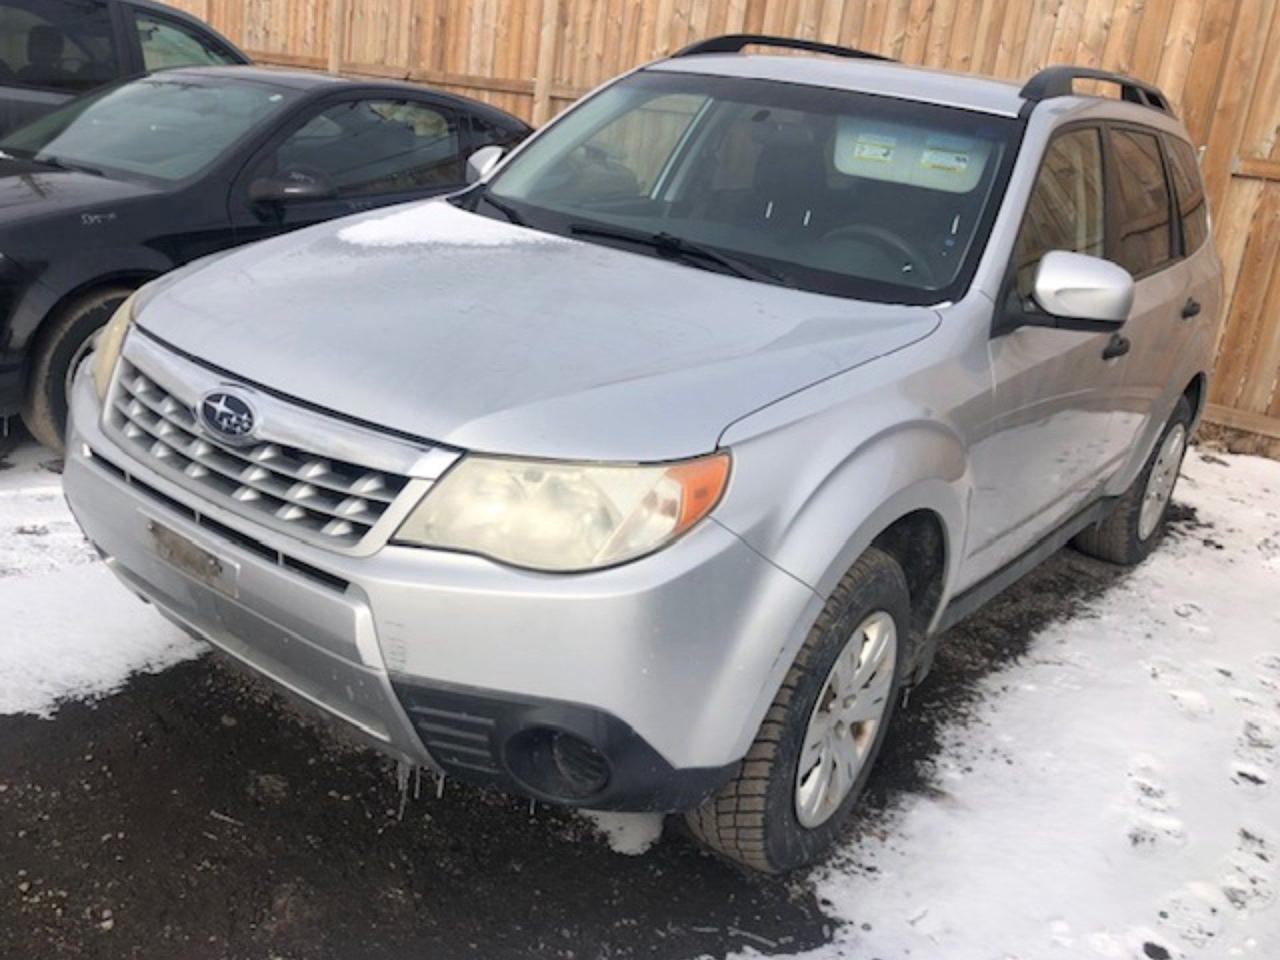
1058 82
734 42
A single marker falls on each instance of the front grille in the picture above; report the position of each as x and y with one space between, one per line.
316 498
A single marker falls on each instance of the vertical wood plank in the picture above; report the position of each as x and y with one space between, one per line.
546 62
337 34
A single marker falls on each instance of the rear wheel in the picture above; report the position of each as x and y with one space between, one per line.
58 347
795 790
1132 530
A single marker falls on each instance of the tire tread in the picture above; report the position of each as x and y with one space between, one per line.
733 822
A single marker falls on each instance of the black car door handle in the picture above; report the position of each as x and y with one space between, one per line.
1117 346
1191 308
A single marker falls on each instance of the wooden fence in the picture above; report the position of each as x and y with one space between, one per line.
1218 60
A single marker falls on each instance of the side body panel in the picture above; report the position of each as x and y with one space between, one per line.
819 475
961 416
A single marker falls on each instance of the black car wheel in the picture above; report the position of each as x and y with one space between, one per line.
1137 523
794 792
59 345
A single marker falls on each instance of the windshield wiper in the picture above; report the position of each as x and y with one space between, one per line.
677 248
60 164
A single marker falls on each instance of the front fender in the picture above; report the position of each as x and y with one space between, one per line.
812 506
810 503
54 282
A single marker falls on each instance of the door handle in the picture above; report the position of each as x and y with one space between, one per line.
1191 308
1117 346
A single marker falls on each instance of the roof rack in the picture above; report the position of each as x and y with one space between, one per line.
1058 82
734 42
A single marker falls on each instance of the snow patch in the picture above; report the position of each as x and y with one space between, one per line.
1113 796
439 223
630 834
68 629
37 534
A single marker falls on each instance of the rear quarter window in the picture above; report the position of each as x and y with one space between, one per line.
1193 208
1145 240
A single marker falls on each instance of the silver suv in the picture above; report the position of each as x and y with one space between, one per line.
645 473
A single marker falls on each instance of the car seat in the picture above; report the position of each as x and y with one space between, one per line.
45 44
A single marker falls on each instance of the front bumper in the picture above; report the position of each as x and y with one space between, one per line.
663 667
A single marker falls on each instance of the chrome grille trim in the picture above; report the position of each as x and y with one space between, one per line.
320 494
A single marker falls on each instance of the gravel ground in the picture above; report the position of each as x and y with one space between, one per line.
194 814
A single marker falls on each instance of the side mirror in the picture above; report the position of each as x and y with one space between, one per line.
481 163
291 186
1082 292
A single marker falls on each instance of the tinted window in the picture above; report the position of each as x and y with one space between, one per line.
157 127
368 147
167 43
834 191
1066 209
1145 240
64 45
484 133
1192 207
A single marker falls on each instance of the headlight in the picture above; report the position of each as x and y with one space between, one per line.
106 351
552 515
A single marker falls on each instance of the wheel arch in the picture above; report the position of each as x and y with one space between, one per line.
906 483
1197 394
36 331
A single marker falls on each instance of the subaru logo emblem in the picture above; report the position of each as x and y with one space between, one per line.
228 416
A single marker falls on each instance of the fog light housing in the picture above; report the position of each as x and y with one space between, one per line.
558 764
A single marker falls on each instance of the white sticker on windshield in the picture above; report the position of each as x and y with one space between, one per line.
937 157
878 149
889 151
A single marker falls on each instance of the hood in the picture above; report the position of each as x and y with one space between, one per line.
452 327
29 190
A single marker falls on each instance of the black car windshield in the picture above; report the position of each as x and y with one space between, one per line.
165 127
826 190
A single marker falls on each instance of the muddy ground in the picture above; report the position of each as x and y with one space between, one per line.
195 815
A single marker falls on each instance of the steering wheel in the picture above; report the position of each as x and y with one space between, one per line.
890 243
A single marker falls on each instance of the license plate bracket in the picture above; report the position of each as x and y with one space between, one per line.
193 560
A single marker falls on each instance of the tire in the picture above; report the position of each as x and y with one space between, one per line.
755 819
1122 537
60 343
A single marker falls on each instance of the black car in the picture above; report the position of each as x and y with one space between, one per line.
53 50
125 184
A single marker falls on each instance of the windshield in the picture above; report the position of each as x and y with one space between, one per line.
833 191
165 127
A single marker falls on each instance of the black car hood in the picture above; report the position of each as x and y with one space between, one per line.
29 190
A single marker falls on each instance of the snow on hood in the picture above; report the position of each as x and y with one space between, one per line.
426 223
453 327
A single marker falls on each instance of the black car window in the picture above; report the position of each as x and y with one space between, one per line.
1192 206
165 127
1066 210
484 134
371 147
1146 237
167 43
62 45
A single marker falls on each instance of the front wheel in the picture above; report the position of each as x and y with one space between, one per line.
1136 524
800 780
60 344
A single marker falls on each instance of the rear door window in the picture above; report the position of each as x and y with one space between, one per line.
1145 241
1066 210
66 46
1193 209
165 42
